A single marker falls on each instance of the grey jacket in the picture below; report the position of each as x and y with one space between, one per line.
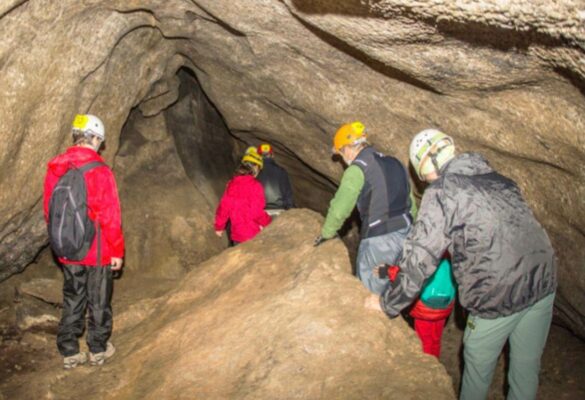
502 258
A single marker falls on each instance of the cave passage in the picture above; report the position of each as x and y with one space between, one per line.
184 87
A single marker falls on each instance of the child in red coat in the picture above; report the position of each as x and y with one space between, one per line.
243 202
431 310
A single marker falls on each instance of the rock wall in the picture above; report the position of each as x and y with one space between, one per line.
168 222
203 141
504 79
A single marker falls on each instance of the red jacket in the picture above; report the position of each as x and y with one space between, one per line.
102 200
422 311
243 204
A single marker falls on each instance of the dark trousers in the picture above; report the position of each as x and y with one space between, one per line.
85 288
228 231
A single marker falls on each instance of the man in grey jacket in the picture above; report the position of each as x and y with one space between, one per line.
502 260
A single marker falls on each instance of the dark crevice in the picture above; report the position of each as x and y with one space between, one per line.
13 8
137 11
510 155
327 183
202 138
573 77
215 19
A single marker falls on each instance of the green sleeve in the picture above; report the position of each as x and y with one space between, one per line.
413 207
344 201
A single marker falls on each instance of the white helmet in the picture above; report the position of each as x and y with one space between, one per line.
90 124
430 150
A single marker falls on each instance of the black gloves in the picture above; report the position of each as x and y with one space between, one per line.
318 240
383 271
388 271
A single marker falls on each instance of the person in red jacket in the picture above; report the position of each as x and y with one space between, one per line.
243 202
88 282
429 322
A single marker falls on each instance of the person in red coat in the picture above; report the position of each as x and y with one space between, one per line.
88 282
243 202
429 322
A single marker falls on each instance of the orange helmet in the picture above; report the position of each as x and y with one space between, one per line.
264 148
351 133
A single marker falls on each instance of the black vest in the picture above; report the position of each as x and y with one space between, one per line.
384 202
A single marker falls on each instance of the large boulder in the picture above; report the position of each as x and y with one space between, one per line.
273 318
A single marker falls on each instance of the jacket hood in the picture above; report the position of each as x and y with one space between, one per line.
241 184
467 164
74 156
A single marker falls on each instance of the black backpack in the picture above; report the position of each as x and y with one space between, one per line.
71 232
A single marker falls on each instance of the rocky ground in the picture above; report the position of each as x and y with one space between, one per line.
288 311
563 364
241 325
561 375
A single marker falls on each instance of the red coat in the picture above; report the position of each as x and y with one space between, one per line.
243 205
102 200
424 312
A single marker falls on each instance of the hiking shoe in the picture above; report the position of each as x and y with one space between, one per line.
73 361
100 358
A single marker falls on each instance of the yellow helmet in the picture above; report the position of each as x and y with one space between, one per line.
253 157
351 133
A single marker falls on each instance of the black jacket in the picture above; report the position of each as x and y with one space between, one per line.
277 188
502 258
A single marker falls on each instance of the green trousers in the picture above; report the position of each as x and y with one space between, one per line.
484 339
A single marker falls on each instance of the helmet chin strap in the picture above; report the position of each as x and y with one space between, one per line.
435 162
433 155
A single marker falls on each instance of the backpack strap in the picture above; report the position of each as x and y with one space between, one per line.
83 169
99 245
90 165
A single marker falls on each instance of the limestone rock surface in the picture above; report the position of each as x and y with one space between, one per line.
273 318
48 290
504 78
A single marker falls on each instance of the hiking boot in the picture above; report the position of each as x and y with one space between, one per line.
100 358
73 361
